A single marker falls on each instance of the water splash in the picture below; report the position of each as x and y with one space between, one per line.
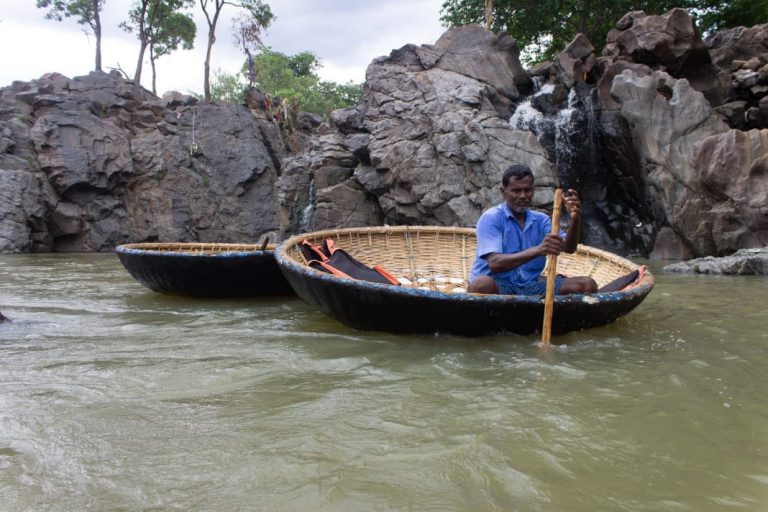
561 125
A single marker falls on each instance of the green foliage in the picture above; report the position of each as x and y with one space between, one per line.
228 88
86 11
715 15
160 26
177 29
545 27
293 79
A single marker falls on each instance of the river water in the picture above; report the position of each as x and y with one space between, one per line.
113 397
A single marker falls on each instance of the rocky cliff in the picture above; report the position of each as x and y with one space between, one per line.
663 135
92 162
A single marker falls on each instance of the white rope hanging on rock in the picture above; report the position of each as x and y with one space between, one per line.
194 148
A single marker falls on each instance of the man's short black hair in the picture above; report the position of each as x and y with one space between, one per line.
516 171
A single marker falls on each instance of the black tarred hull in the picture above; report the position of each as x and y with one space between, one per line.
370 306
237 274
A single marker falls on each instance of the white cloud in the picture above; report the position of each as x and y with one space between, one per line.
345 34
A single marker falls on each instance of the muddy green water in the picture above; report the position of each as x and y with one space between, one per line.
113 397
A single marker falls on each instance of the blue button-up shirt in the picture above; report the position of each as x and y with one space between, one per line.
499 232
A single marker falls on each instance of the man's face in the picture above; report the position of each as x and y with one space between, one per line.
518 194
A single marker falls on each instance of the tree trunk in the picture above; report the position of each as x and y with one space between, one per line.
137 75
488 14
154 70
211 39
207 70
97 33
143 41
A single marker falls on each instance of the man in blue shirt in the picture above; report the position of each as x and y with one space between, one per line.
513 242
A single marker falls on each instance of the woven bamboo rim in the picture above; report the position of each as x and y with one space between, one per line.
196 248
440 258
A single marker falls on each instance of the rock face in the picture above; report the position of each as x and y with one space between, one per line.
740 55
93 162
640 131
663 135
427 144
658 109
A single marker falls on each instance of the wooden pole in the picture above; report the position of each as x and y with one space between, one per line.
549 298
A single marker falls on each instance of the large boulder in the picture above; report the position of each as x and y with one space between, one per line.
427 145
733 168
667 119
741 56
670 43
98 161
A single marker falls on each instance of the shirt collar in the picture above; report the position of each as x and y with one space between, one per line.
510 215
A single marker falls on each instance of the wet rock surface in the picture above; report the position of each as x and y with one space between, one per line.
742 262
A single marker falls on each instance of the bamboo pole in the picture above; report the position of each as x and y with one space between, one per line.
549 298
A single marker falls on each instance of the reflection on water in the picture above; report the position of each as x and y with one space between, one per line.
113 397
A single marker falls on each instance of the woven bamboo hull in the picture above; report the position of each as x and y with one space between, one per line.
434 264
205 270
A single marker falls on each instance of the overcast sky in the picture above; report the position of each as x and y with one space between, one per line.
345 34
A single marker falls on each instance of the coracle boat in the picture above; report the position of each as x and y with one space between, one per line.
432 265
205 269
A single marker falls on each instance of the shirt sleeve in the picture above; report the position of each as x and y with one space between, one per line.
490 235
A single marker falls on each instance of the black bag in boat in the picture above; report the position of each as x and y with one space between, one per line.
339 262
625 281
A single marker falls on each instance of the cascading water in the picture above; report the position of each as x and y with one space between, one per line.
565 124
305 221
561 122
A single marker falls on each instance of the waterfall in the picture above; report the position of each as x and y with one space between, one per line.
305 220
562 123
565 123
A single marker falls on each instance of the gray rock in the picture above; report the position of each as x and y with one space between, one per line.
100 162
25 201
574 63
668 128
740 54
429 145
742 262
671 43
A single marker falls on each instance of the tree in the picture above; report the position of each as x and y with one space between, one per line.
715 15
160 27
247 36
228 88
176 29
259 12
292 78
544 27
87 12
